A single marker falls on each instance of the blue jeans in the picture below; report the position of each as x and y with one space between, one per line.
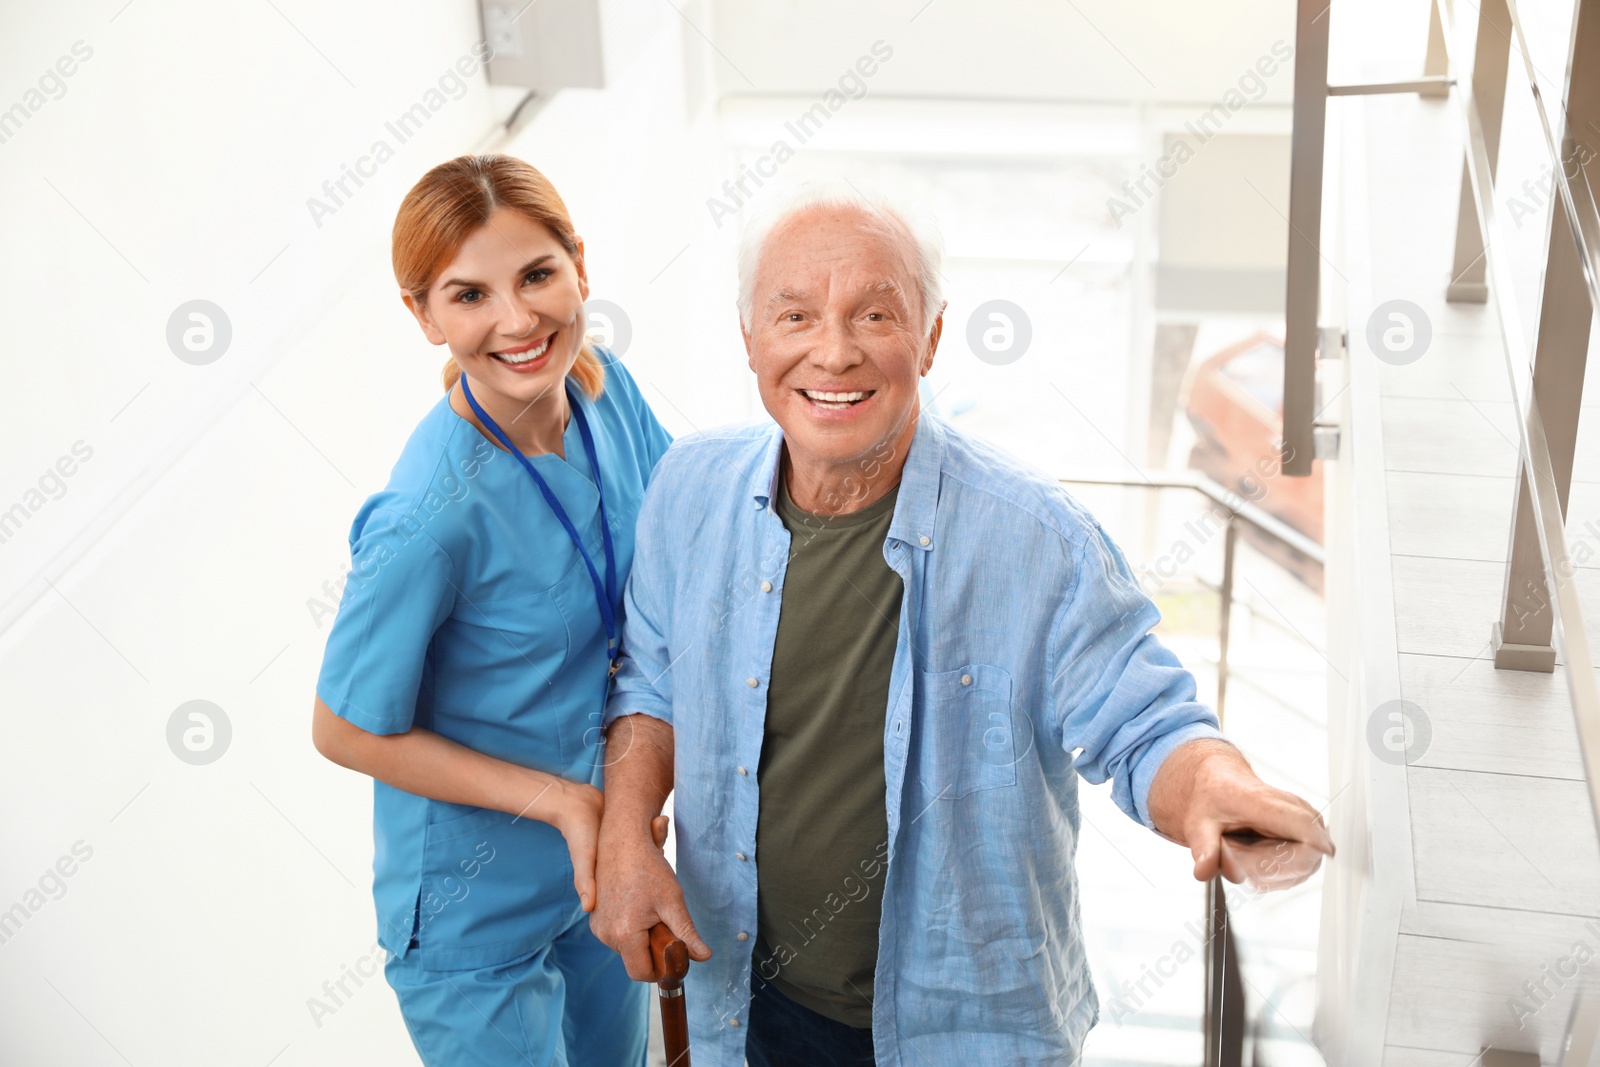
785 1034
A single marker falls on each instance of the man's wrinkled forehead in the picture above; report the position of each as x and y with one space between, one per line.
885 288
826 253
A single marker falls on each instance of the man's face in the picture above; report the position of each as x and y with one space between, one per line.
835 338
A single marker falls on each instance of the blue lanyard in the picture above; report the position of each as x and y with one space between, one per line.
606 595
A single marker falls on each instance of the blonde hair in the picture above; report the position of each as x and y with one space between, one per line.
450 203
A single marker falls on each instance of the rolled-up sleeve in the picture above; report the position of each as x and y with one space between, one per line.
1118 693
643 685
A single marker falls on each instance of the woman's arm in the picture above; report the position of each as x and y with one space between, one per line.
431 765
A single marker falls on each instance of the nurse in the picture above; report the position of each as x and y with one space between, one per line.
470 659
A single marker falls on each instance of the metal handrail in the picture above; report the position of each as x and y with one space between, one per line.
1222 1023
1410 85
1238 509
1581 212
1478 107
1239 506
1535 452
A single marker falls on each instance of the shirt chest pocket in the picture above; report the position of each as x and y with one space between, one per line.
503 675
970 737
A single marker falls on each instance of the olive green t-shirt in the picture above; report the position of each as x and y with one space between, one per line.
822 829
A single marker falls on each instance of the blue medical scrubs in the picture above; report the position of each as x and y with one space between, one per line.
468 611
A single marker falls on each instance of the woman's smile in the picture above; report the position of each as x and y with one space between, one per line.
528 358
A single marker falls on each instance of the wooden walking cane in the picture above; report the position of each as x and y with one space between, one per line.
671 959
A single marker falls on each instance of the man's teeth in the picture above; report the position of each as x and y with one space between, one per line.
834 400
523 357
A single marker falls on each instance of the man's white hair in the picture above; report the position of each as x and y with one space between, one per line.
918 227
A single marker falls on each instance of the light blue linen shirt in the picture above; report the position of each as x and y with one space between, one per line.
1024 659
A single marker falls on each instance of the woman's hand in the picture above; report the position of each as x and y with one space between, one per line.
580 806
584 805
658 832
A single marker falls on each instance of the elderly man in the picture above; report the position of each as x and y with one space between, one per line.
872 655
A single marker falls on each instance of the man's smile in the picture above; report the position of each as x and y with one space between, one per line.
836 400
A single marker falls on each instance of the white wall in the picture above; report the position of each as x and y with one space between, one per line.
217 900
1149 51
177 164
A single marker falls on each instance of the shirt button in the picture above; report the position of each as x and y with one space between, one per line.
742 771
966 679
751 682
733 1022
923 540
739 856
743 936
766 587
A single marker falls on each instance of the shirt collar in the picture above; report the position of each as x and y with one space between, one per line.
764 480
916 511
917 507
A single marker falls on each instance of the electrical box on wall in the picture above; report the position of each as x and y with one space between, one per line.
544 45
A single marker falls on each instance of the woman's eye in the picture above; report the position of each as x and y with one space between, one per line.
536 275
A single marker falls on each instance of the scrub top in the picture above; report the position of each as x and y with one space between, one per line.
468 611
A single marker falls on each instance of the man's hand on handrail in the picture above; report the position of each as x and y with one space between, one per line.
1206 797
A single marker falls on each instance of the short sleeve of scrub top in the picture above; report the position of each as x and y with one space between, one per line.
398 592
653 437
